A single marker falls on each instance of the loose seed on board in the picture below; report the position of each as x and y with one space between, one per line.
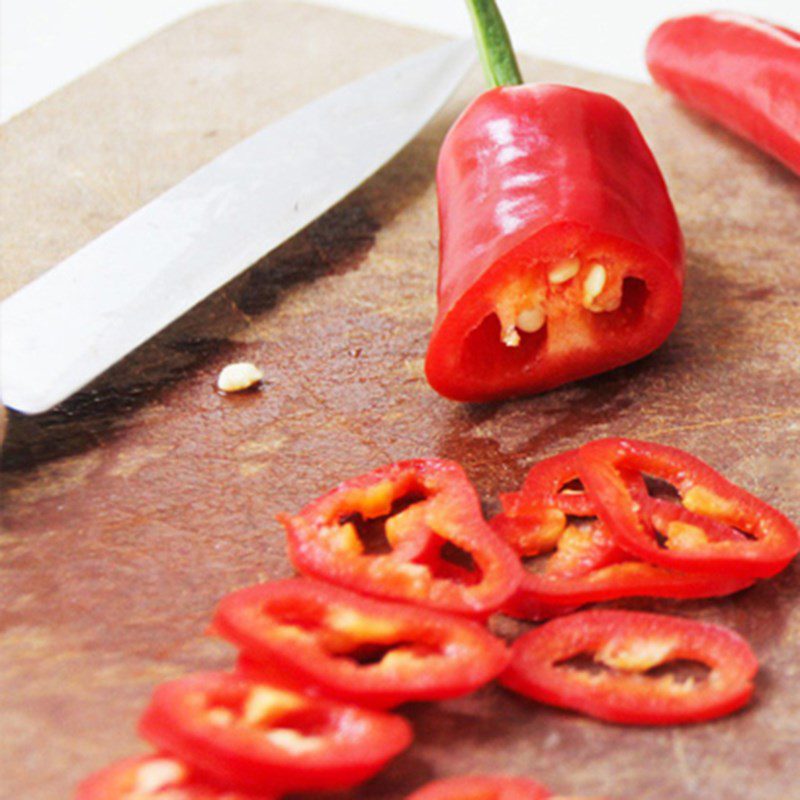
238 377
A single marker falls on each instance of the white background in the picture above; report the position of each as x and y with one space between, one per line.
47 43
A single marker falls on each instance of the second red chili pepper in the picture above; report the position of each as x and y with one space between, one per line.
740 71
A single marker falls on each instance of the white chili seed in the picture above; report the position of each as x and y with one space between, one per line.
240 376
593 285
635 655
293 741
565 270
530 320
158 774
220 716
265 703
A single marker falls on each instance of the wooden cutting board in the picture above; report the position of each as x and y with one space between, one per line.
129 511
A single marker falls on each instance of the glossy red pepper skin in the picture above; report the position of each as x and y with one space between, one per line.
717 527
442 512
482 787
740 71
258 738
155 777
585 564
529 176
629 644
326 640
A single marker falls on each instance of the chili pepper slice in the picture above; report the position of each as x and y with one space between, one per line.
371 652
585 564
551 485
436 550
741 71
155 777
717 527
256 737
630 647
560 255
481 787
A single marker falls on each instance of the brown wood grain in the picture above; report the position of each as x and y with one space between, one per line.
130 510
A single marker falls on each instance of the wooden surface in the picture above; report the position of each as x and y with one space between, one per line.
128 512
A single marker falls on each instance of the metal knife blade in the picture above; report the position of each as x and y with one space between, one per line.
83 315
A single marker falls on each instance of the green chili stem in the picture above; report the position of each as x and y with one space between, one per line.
494 45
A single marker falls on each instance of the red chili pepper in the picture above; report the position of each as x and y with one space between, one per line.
740 71
481 787
629 646
257 737
717 527
322 638
560 252
586 565
155 777
431 514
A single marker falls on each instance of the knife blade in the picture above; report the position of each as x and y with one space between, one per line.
83 315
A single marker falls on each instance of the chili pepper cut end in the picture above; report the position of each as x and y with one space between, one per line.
540 319
572 285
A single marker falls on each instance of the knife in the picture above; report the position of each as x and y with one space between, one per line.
82 316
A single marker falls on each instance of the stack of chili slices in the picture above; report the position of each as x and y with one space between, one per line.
402 574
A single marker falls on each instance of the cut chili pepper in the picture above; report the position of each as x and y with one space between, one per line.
585 564
256 737
629 647
481 787
333 642
155 777
740 71
560 255
717 527
436 549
